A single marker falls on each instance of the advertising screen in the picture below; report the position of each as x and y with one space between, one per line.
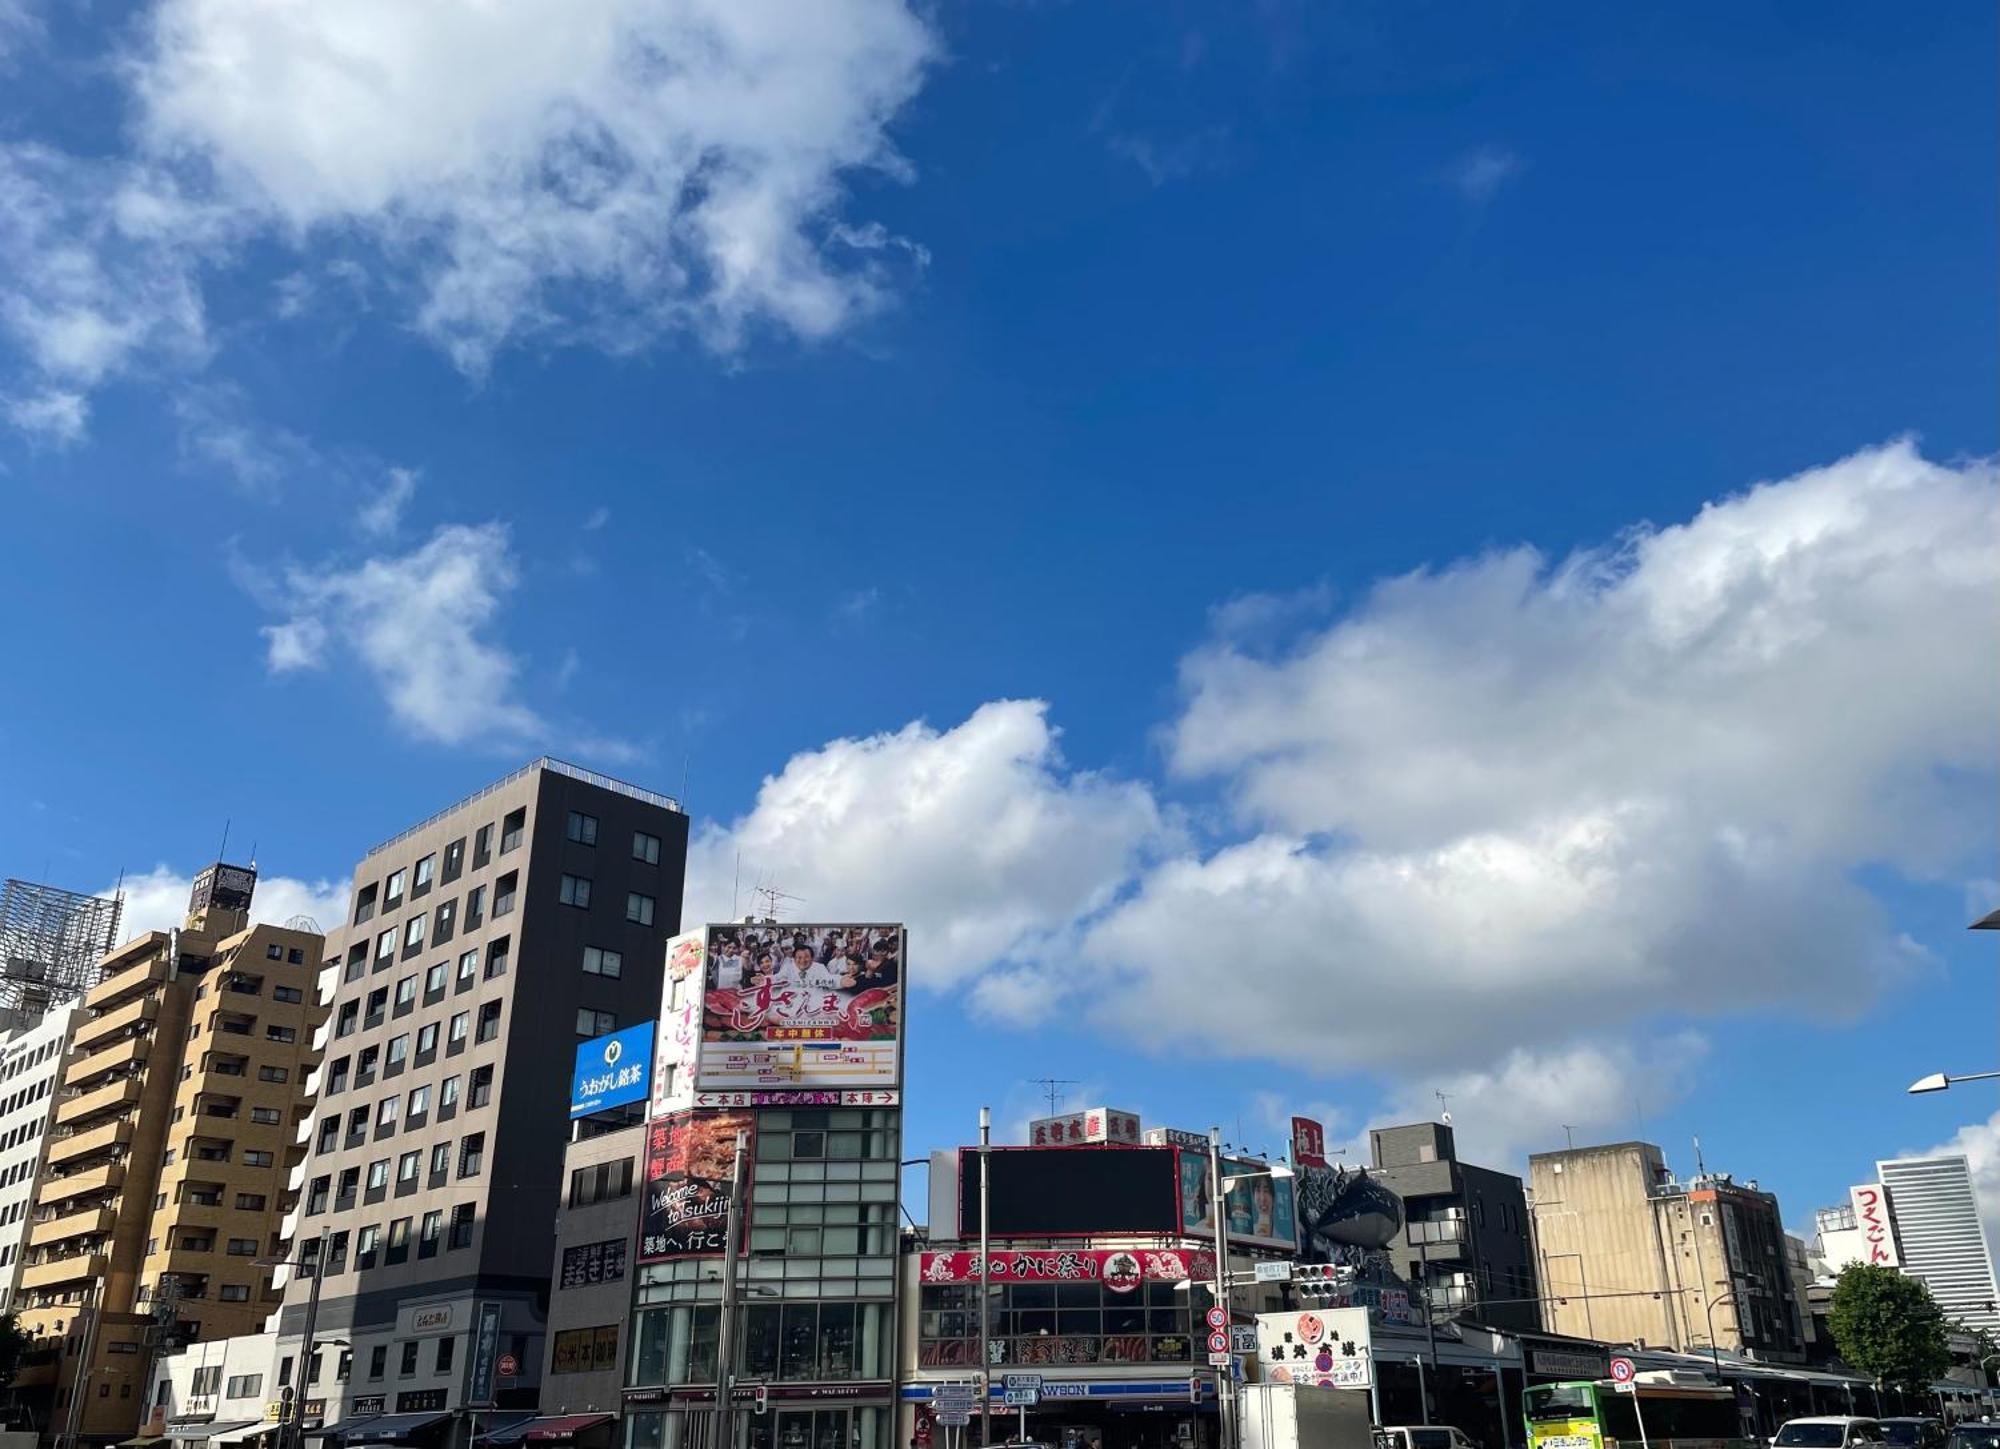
1062 1192
689 1159
1259 1209
802 1006
611 1070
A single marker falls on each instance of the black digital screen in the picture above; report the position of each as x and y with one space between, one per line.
1060 1192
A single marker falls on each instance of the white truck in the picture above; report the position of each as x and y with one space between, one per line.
1299 1416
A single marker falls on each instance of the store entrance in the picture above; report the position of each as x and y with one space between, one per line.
1100 1426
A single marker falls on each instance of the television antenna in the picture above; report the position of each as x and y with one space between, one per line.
1444 1107
768 897
1052 1088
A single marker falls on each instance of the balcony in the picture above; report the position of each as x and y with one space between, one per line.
118 1056
112 1136
115 1097
121 984
1444 1230
119 1021
107 1178
92 1222
53 1273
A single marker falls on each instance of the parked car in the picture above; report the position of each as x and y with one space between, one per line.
1828 1431
1985 1434
1421 1436
1914 1432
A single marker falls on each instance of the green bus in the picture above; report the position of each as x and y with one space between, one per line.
1594 1415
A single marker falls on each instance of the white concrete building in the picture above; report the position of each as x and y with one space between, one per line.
31 1059
220 1393
1940 1237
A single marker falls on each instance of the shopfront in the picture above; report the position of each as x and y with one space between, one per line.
1082 1413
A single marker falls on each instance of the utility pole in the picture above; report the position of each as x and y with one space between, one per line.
985 1291
725 1331
296 1430
1224 1383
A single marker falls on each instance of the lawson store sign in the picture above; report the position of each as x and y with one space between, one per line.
611 1070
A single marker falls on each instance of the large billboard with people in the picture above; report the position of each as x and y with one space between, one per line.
1258 1207
789 1006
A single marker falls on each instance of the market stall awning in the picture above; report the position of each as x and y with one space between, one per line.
390 1428
243 1435
560 1428
216 1429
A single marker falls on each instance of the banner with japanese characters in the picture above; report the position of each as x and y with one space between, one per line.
689 1160
1118 1269
789 1006
1327 1348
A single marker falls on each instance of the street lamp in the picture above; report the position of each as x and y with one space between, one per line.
293 1429
1939 1081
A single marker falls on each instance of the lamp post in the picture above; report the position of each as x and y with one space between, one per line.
1218 1196
985 1289
292 1433
1941 1081
725 1335
1715 1354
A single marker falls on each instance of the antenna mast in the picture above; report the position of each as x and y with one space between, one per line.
1052 1088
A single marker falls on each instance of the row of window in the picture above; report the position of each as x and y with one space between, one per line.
418 879
574 890
14 1137
357 1015
344 1189
434 1233
581 829
791 1342
35 1092
395 1054
25 1060
412 1109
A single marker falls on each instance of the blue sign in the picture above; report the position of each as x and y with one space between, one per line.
612 1070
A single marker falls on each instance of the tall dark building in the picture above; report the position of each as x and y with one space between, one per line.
1465 1236
480 946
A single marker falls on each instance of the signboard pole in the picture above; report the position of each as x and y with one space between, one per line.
985 1293
725 1331
1638 1413
1224 1404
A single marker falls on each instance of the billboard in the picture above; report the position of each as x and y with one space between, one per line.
1326 1348
1261 1209
801 1006
1871 1216
611 1070
677 1045
1118 1269
1071 1192
689 1160
1092 1124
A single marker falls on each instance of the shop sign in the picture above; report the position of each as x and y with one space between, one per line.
1871 1215
861 1097
1308 1143
1560 1363
1117 1269
1327 1348
371 1404
434 1319
1092 1124
420 1401
1175 1137
611 1070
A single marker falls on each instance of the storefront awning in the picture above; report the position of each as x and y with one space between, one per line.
560 1428
391 1428
503 1428
142 1441
217 1429
257 1428
334 1433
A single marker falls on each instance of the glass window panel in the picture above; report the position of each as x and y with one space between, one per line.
774 1146
836 1341
798 1334
843 1172
760 1340
1124 1318
842 1240
767 1240
843 1144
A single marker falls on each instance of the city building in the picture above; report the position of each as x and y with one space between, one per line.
1935 1219
1465 1236
217 1393
31 1062
481 945
1630 1254
166 1171
590 1283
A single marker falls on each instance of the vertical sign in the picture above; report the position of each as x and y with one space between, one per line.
1308 1143
1871 1216
689 1160
485 1356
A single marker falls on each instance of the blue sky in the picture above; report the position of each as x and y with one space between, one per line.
1061 473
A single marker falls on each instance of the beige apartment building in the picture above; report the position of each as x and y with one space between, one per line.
1630 1254
175 1130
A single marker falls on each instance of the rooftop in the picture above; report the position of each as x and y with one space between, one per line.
554 767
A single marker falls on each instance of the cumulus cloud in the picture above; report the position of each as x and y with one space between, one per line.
419 623
980 834
603 173
383 513
157 900
53 416
1979 1144
1642 778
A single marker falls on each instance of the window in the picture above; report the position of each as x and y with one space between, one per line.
600 1182
357 1122
275 952
253 1202
427 1038
399 1049
426 873
399 1242
575 892
393 892
482 1086
645 847
406 1168
266 1116
348 1018
385 945
448 1093
482 846
408 1364
475 906
286 1034
413 933
456 1035
581 828
440 1161
639 909
288 994
365 1064
434 980
378 1360
317 1194
252 1157
489 1021
446 1348
471 1154
496 957
274 1074
446 922
336 1078
503 893
429 1231
385 1111
419 1103
454 859
468 969
594 1023
406 992
365 1244
234 1293
378 1005
350 1183
461 1225
378 1174
511 828
242 1247
245 1386
599 962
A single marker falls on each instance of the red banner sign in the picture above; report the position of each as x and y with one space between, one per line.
1118 1269
1308 1143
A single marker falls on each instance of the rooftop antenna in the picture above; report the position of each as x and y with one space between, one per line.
768 896
736 886
1444 1107
1052 1088
1569 1136
1700 1167
222 852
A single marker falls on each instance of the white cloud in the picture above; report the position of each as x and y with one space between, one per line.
1522 1103
1479 174
418 622
54 416
980 835
603 173
1642 780
383 513
156 900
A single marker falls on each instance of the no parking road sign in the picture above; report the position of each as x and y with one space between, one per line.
1623 1371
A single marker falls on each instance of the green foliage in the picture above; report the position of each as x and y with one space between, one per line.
13 1343
1888 1326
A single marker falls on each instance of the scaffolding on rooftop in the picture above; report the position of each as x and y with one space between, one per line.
51 944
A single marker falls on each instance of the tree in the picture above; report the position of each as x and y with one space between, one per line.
1888 1326
13 1343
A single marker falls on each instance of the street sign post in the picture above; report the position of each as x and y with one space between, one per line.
1218 1317
1623 1371
1220 1360
1272 1272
